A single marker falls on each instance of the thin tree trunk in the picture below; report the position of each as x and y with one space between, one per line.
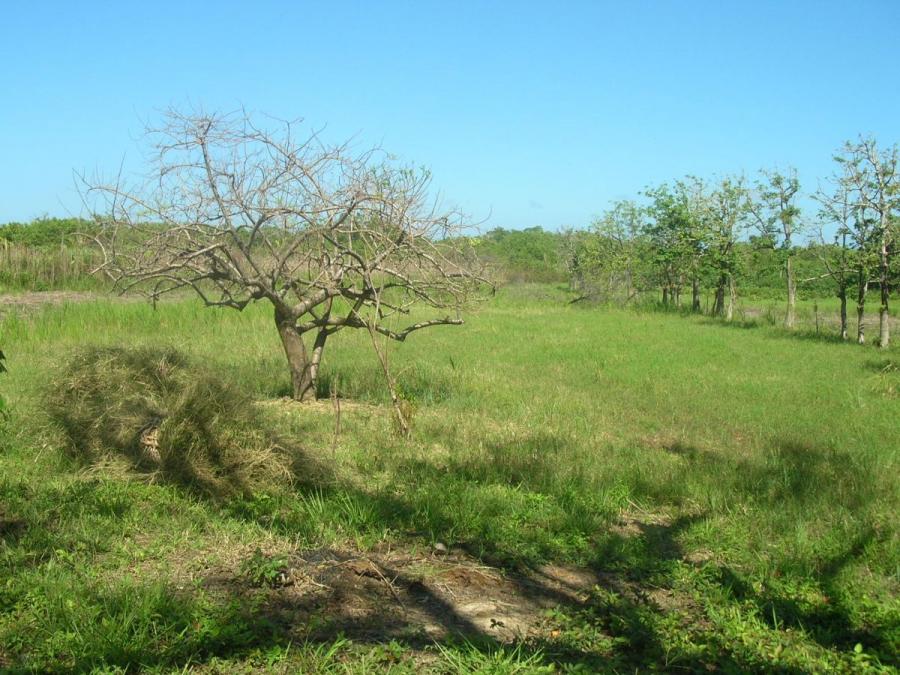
316 360
790 316
665 297
861 311
732 296
884 328
695 294
303 386
719 301
842 294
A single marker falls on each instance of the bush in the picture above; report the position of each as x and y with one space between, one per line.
166 418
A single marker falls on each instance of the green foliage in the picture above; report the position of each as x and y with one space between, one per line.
48 254
470 658
532 254
45 233
266 570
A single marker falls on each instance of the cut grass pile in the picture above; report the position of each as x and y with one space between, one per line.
156 413
733 487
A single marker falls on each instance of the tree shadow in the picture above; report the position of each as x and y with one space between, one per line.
377 598
829 623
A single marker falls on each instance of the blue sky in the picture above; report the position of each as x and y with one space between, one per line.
527 113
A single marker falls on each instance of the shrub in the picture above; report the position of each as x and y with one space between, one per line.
166 417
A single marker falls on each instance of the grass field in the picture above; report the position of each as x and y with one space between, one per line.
696 496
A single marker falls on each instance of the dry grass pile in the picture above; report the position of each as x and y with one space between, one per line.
167 418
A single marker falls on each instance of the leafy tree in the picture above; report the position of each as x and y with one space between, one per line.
678 230
531 254
871 176
728 220
774 208
614 254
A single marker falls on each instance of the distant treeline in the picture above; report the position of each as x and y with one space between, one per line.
538 255
50 253
47 254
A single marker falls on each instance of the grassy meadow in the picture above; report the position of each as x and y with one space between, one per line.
731 488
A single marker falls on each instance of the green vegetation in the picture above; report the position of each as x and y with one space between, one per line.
531 255
47 254
731 488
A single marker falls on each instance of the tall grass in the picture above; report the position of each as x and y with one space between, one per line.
66 266
747 469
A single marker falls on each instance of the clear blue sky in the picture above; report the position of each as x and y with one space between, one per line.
529 113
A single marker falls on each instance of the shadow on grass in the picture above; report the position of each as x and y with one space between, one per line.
628 566
825 335
884 366
830 622
618 626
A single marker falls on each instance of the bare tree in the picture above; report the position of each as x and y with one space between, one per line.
776 214
331 238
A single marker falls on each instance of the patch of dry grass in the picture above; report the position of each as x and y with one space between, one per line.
162 416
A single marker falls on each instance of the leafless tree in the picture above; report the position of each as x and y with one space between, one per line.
330 237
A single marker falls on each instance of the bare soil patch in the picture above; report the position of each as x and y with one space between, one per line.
392 594
30 301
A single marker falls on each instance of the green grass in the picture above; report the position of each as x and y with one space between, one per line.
748 473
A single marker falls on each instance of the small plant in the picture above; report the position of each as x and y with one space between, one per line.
405 407
266 570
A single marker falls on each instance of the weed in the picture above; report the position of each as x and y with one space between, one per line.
266 570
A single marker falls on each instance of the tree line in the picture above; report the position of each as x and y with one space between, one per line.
691 237
692 233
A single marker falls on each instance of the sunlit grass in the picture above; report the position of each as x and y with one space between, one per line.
769 462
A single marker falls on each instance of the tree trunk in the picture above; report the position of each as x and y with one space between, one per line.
303 384
884 318
719 301
732 296
861 310
842 294
695 294
790 316
665 298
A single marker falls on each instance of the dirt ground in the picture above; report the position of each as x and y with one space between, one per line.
419 596
395 594
32 300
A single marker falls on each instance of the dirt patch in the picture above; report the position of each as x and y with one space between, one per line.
11 527
382 596
34 300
